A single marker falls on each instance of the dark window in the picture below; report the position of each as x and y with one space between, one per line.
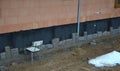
117 3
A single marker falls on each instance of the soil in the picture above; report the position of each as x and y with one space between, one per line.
75 59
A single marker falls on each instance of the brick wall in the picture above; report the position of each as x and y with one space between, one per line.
31 14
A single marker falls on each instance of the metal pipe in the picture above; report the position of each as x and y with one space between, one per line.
78 17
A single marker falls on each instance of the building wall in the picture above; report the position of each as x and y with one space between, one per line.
18 15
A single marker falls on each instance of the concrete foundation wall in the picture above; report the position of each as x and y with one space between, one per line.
24 39
76 40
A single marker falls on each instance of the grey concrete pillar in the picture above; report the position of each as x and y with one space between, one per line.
75 37
111 30
119 30
85 35
8 52
3 56
55 42
99 34
15 52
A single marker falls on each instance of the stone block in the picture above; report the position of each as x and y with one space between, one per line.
8 52
42 47
119 29
7 49
95 35
99 34
115 31
49 46
106 33
15 52
3 68
75 37
82 38
111 28
3 56
55 42
93 42
85 35
89 37
68 42
62 43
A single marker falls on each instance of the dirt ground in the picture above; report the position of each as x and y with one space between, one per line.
75 59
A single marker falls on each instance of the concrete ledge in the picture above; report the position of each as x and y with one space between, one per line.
56 43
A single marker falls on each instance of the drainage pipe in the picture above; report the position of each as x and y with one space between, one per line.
78 17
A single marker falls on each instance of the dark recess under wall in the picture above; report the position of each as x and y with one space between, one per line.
24 39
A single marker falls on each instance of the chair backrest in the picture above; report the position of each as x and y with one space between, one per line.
37 43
